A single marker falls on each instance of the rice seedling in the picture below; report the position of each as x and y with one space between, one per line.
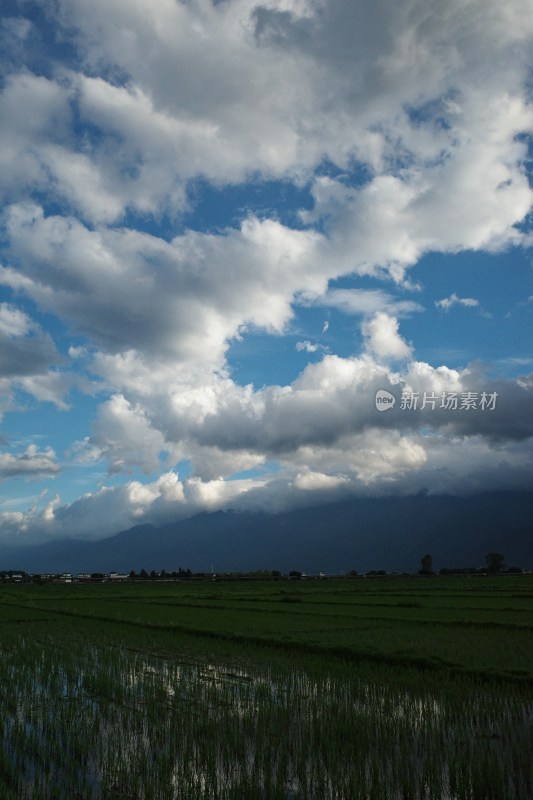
106 697
83 720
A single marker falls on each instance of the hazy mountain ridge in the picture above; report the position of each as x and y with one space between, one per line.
389 533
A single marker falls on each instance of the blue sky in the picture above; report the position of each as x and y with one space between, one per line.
225 227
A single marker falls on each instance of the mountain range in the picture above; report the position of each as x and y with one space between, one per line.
390 533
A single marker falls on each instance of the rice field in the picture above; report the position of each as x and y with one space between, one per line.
232 691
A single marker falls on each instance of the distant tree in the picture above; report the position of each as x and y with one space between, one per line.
143 575
352 573
294 573
153 575
133 575
276 573
184 573
426 562
494 562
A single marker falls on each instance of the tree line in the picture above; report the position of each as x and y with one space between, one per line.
494 564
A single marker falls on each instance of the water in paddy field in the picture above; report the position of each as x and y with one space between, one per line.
103 722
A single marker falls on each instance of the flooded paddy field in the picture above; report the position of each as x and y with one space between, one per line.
99 704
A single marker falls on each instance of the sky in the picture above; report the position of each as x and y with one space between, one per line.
259 255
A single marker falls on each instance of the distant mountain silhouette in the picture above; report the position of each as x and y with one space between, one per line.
390 533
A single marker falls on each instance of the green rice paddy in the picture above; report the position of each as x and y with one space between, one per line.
353 690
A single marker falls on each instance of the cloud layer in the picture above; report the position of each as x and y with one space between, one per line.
406 128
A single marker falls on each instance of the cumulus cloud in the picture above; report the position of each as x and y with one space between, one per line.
203 288
387 51
99 514
25 349
404 92
225 428
383 339
323 431
29 361
123 436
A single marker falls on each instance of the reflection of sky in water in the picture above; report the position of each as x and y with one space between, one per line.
100 714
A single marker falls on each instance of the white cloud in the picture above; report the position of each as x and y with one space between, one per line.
52 387
429 98
310 347
453 300
225 428
203 288
373 457
100 514
124 437
366 302
48 121
13 321
29 361
316 481
30 464
382 337
25 349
